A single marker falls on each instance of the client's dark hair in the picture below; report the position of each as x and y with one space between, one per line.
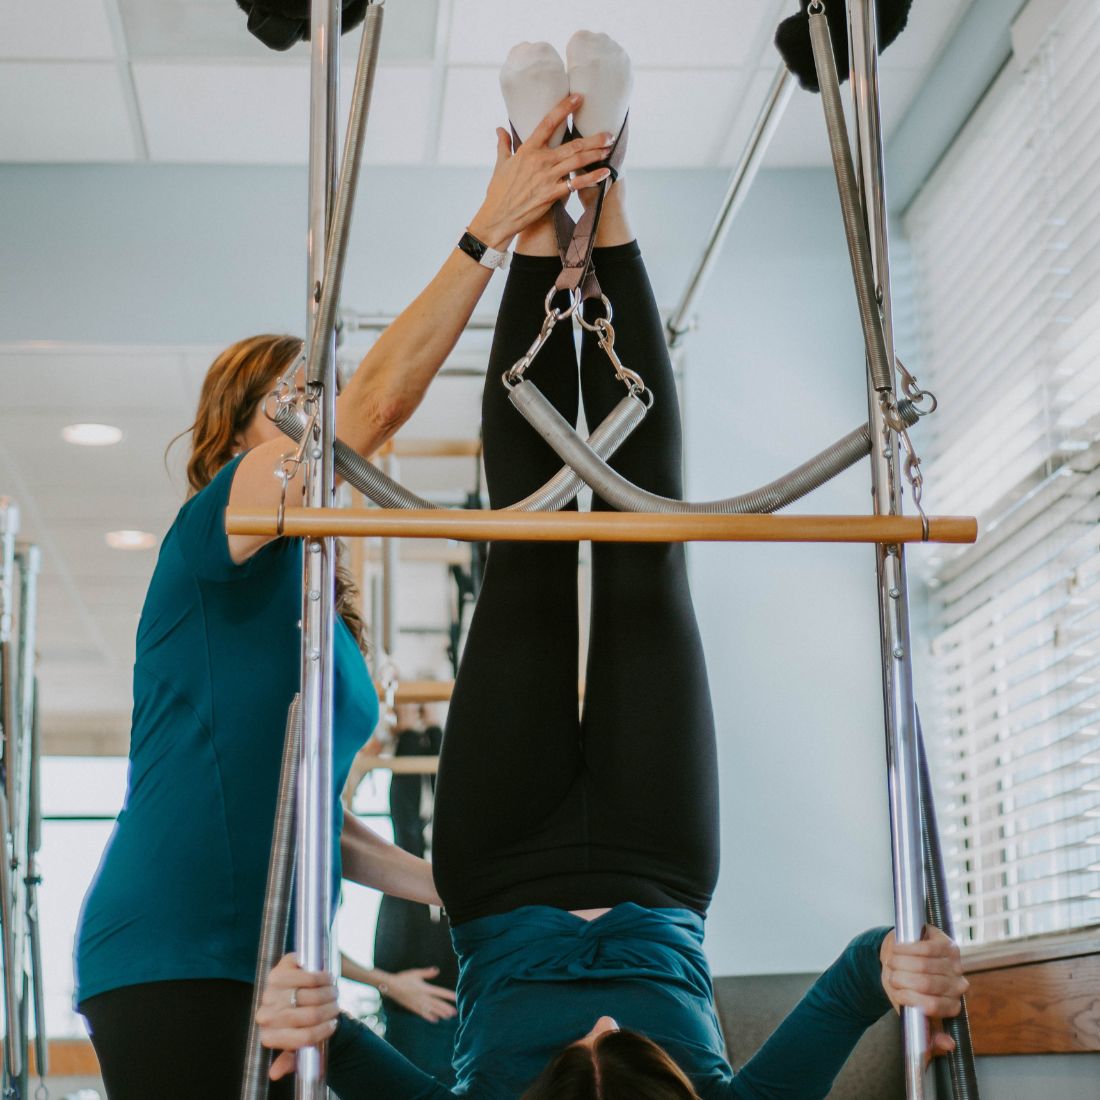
619 1065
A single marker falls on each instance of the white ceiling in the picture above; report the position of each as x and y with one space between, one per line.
183 81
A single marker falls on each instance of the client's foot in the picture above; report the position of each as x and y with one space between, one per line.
533 81
599 68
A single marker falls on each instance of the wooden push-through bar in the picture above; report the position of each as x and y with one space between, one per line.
431 691
401 765
419 691
431 448
501 526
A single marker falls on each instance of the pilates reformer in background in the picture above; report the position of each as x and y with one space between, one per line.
20 812
302 838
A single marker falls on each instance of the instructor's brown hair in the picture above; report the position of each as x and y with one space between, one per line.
237 381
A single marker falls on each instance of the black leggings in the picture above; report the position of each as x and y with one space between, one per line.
176 1040
536 806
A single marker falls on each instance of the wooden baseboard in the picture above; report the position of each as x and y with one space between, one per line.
1040 996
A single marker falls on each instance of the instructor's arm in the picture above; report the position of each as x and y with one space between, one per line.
393 377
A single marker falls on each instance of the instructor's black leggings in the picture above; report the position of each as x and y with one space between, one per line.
175 1040
536 806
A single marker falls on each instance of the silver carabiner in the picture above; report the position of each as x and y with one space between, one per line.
606 336
514 374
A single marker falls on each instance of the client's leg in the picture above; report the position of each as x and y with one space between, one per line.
510 755
648 727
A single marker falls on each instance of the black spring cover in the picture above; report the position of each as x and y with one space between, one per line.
792 37
278 24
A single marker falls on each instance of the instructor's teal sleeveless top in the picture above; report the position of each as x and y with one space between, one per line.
179 891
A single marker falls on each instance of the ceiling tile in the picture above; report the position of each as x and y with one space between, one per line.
223 113
751 103
703 33
62 378
68 111
472 110
54 30
931 24
259 114
401 109
680 117
218 28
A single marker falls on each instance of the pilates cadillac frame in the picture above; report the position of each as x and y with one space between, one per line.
862 194
20 812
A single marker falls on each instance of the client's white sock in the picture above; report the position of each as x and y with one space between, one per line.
533 80
599 68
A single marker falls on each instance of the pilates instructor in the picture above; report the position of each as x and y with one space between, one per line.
168 935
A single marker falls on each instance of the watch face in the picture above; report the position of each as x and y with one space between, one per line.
472 246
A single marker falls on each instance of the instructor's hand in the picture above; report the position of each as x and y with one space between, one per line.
525 184
298 1009
929 976
411 990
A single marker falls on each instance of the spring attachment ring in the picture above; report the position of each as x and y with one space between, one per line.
915 393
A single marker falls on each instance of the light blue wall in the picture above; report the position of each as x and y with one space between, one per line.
156 254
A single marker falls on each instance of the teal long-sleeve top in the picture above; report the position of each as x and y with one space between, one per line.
179 890
536 979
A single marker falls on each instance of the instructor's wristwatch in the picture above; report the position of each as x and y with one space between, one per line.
481 252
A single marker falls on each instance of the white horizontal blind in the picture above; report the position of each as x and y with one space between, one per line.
1006 240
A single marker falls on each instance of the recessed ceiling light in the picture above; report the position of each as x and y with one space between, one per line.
130 540
91 435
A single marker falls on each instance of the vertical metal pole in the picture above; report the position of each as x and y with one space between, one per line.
389 576
315 799
9 665
12 962
28 560
893 596
34 934
276 911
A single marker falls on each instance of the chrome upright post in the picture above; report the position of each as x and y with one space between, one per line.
28 560
315 801
389 577
33 880
9 705
893 597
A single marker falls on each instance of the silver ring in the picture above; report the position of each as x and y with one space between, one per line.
294 998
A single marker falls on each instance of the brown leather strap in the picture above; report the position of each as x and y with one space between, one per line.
577 238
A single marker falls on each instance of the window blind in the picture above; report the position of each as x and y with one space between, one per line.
1005 238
